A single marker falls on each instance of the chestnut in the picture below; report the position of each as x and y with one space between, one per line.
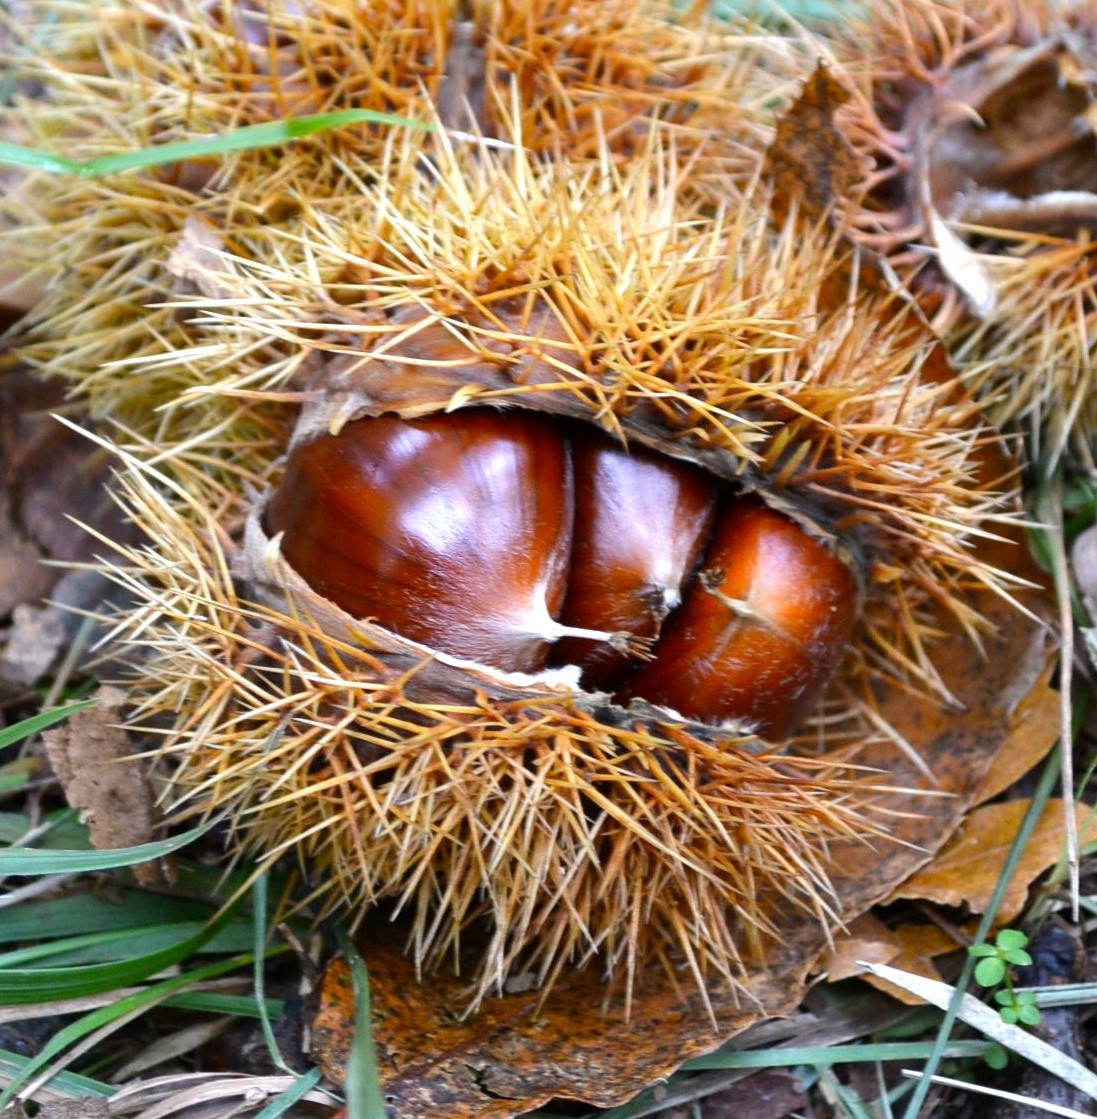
454 531
515 541
761 630
641 520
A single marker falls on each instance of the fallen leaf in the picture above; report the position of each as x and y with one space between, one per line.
967 269
51 473
59 478
1019 151
911 947
998 145
93 759
518 1052
35 640
23 576
198 259
811 164
1034 730
171 1047
966 871
816 176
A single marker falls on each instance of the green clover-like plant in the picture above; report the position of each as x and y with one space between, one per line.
996 959
994 970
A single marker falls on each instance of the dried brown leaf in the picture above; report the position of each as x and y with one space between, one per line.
816 177
197 259
966 871
93 759
1034 730
516 1054
1001 145
23 576
35 639
1006 142
51 473
811 164
910 947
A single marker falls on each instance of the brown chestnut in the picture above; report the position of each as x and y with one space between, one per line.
641 520
454 531
761 630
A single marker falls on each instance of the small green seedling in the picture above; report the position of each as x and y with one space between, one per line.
994 970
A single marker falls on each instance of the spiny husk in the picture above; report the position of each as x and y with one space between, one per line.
585 82
418 273
1005 263
463 795
576 829
497 280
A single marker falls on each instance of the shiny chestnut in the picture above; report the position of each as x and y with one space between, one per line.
453 532
762 629
519 542
641 522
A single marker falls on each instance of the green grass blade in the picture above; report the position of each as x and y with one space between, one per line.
282 1103
250 137
779 12
119 944
45 918
26 727
62 831
364 1098
20 156
18 774
70 1084
26 986
73 1033
802 1057
235 1006
32 861
832 1055
259 932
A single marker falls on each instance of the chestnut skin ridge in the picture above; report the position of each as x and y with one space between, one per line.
520 542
